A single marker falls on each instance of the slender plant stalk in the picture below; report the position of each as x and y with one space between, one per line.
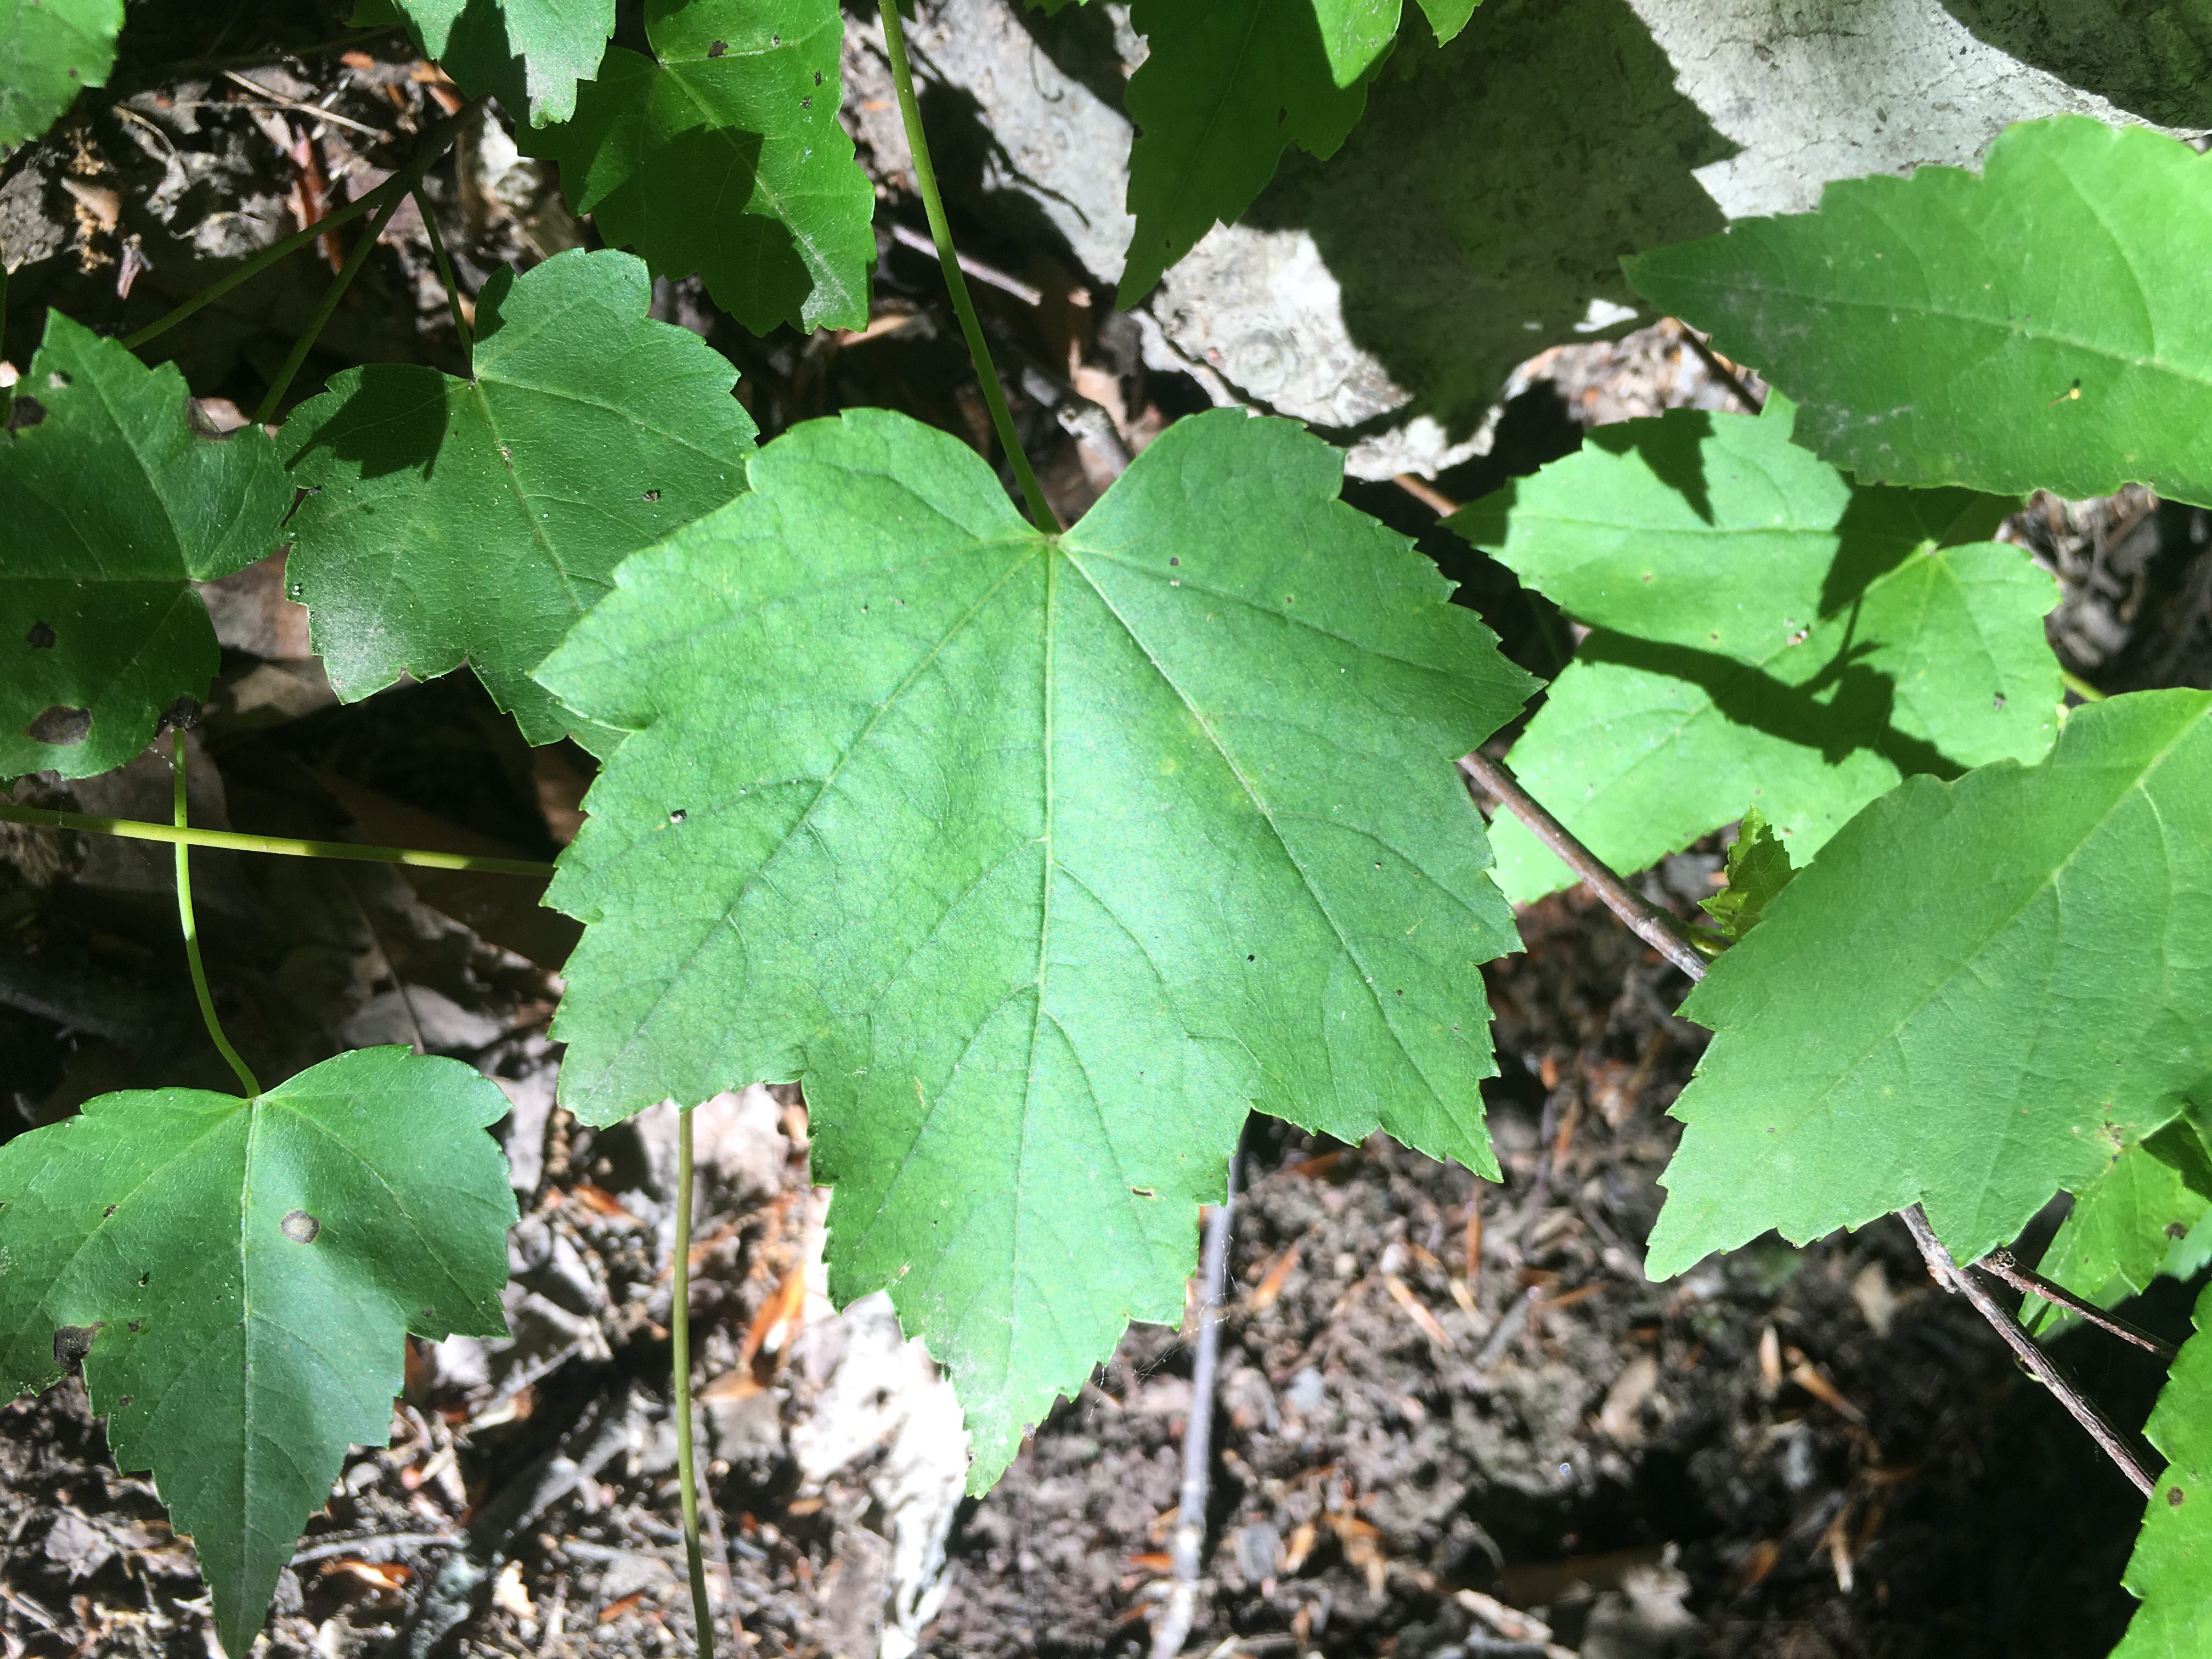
679 1359
2080 687
435 144
192 934
2038 1364
362 247
445 272
1638 915
933 204
230 841
2001 1266
1645 919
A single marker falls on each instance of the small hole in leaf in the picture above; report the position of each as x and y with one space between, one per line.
1251 958
301 1227
41 637
677 815
60 725
72 1343
57 380
25 412
653 495
124 1404
143 1277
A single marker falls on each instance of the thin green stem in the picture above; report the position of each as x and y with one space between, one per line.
192 933
230 841
445 273
435 144
363 246
2080 687
940 232
680 1361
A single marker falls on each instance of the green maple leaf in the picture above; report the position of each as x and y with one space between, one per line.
2039 326
2170 1570
721 155
116 504
2128 1226
49 48
1765 631
1229 85
541 48
238 1277
476 520
1758 869
1040 860
1974 994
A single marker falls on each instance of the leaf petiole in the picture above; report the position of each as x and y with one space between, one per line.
290 846
435 144
940 232
445 272
192 932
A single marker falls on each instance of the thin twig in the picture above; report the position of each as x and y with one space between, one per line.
2000 1265
955 281
315 110
2040 1364
990 274
1426 493
1720 370
680 1360
47 818
1187 1550
1645 918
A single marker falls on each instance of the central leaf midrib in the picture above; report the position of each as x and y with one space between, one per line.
1266 815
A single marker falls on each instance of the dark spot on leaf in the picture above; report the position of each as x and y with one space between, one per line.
60 725
301 1227
775 39
136 1326
807 103
24 411
817 77
2175 1230
1143 1192
1283 114
677 815
106 1212
124 1404
653 495
2174 1495
718 48
41 637
1174 560
1251 958
72 1343
143 1277
181 715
